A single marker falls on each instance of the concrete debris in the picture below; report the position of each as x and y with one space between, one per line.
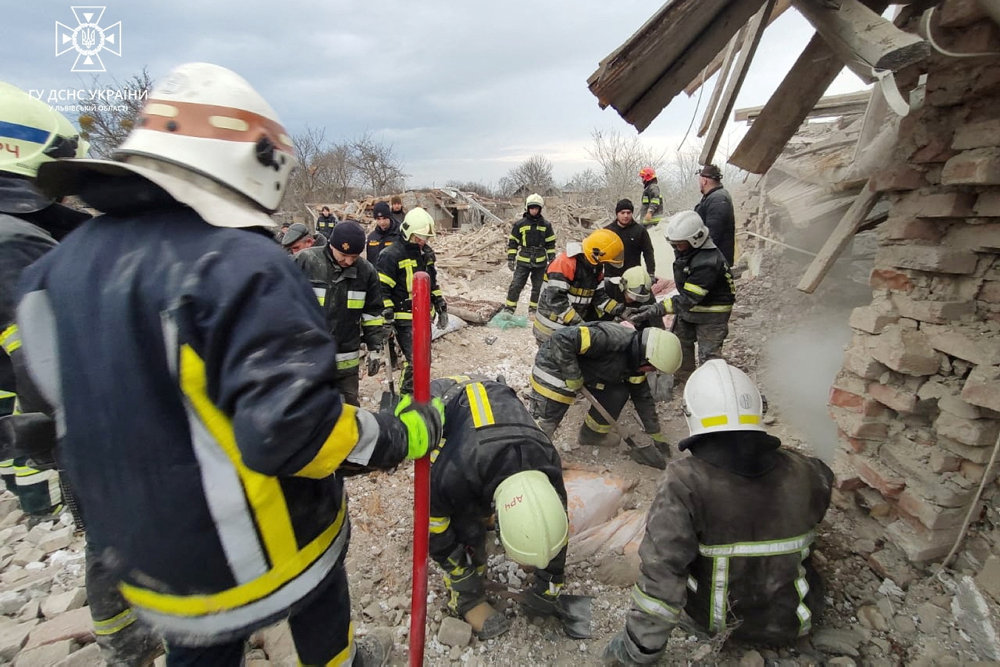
454 632
977 619
837 641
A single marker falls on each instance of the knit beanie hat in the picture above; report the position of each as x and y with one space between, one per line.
624 205
348 237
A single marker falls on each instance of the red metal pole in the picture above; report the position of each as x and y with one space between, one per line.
421 468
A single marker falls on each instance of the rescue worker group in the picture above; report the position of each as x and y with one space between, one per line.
193 396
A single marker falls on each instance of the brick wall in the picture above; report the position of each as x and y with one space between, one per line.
917 401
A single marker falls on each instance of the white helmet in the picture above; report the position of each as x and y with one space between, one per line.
534 200
687 226
533 524
720 397
209 120
419 222
636 284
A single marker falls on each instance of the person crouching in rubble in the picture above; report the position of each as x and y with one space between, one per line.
627 294
730 531
611 360
494 456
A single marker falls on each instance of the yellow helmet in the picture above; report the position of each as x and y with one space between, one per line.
604 246
662 349
32 133
636 284
534 200
532 519
419 222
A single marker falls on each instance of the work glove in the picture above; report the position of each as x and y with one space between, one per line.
574 384
617 311
424 424
388 315
645 314
511 263
374 361
442 314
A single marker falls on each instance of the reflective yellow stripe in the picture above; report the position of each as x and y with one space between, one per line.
712 309
584 339
263 492
719 420
408 265
280 574
7 394
354 303
115 624
404 316
373 322
653 606
439 524
636 379
596 426
347 655
10 339
347 363
338 444
757 549
386 279
548 393
695 289
479 405
749 419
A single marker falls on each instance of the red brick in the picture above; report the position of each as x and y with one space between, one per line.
899 176
858 425
972 432
929 514
978 134
878 476
890 279
987 204
874 318
937 150
979 166
969 343
935 205
936 312
911 229
905 351
990 292
893 397
935 258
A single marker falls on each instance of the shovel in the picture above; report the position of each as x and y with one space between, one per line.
573 611
389 399
647 456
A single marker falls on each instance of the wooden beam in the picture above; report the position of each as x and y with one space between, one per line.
779 8
862 38
713 101
754 32
841 236
829 105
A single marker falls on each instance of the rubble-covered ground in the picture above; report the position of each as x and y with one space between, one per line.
880 610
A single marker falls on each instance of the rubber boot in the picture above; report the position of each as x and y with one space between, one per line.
373 649
486 621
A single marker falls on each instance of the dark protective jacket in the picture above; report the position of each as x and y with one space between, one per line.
325 225
716 211
380 239
489 435
351 300
729 537
638 246
192 373
651 202
705 291
532 241
396 266
570 293
397 218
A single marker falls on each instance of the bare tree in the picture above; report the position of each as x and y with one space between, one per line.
621 159
534 174
378 168
105 124
587 182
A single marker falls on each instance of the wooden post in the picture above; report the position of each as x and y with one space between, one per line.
754 32
727 63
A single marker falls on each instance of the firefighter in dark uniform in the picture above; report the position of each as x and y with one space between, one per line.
325 222
530 248
494 458
611 360
627 294
705 296
651 212
384 234
730 532
396 266
348 289
572 292
210 387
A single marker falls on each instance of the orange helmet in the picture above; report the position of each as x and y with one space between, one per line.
647 174
604 246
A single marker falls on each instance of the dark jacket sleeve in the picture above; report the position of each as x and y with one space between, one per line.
717 214
550 241
648 255
387 276
696 286
513 241
437 296
371 316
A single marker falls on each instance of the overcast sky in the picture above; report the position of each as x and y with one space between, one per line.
462 90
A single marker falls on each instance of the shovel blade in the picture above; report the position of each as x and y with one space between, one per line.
648 456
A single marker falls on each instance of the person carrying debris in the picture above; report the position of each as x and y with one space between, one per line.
30 224
348 290
396 210
385 233
716 210
705 297
571 293
530 248
652 205
396 266
635 239
210 386
298 238
611 360
730 531
325 222
493 458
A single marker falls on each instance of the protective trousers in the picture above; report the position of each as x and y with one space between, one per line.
465 565
709 335
613 397
321 629
348 384
521 274
404 336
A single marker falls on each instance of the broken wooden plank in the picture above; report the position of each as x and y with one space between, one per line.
841 236
829 105
727 64
862 38
754 32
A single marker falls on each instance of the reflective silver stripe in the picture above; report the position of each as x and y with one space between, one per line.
717 603
802 587
439 524
558 284
548 378
767 548
693 584
29 477
480 416
580 299
344 356
37 324
654 607
368 432
355 295
227 503
320 293
712 309
365 317
211 625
